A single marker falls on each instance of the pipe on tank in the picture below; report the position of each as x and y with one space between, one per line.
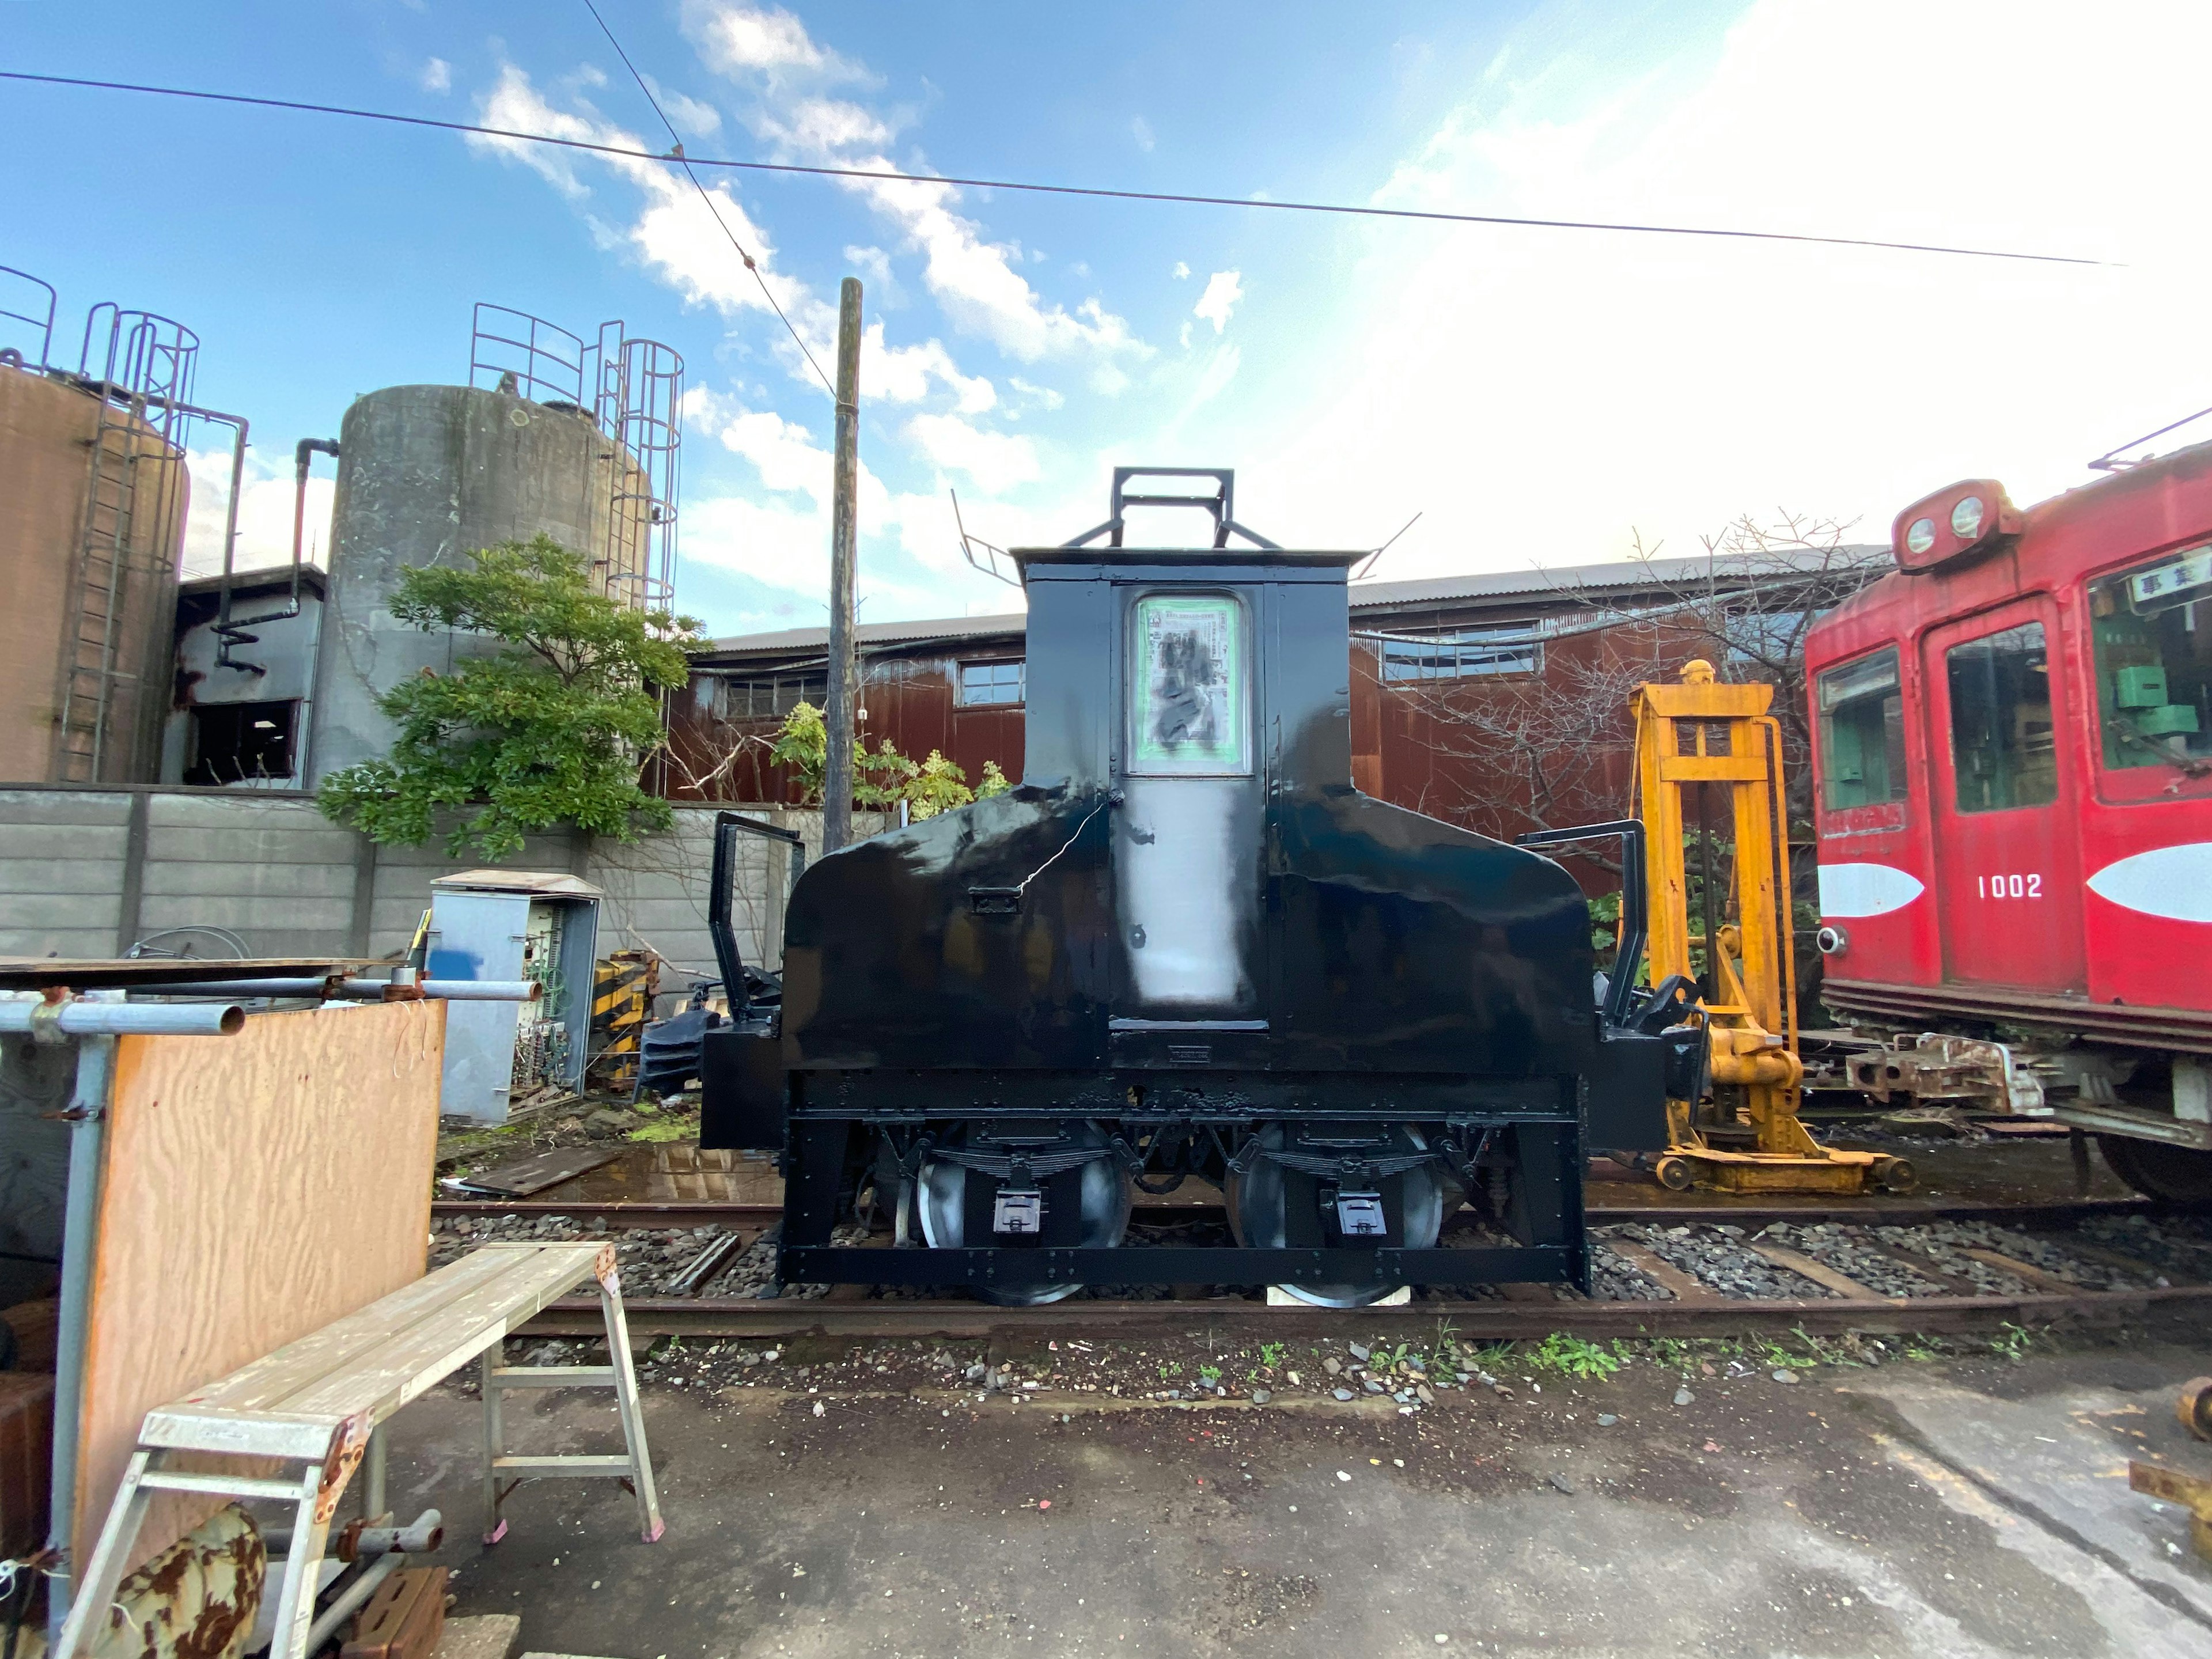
230 632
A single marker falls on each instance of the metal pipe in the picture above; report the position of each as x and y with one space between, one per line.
96 1061
350 1598
482 990
338 988
231 633
303 985
85 1017
420 1536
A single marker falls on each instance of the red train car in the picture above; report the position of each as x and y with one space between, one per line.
2013 795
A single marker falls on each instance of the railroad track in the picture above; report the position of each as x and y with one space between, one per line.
1904 1268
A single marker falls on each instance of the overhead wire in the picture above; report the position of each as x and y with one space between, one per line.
705 195
894 176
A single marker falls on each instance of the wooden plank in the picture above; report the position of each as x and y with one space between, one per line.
1661 1271
373 1361
281 1375
258 1187
2025 1271
436 1346
535 1175
1818 1271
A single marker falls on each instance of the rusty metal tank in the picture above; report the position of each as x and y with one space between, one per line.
93 491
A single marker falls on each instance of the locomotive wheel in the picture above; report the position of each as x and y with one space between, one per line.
1086 1207
1272 1206
2177 1175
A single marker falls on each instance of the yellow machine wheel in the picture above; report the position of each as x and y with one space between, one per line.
1897 1175
1675 1174
2195 1407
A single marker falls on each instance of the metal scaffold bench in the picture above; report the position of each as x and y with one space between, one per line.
318 1403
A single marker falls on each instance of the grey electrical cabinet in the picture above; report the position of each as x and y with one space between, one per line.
513 925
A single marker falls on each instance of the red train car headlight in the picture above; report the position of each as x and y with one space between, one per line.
1970 518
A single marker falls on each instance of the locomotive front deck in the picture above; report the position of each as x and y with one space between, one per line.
1185 945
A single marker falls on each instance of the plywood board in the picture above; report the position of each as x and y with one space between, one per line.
258 1187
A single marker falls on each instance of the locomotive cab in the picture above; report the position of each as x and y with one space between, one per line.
1184 948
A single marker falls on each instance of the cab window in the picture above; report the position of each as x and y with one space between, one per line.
2003 750
1861 732
2153 632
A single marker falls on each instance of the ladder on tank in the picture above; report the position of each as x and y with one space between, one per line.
125 532
103 578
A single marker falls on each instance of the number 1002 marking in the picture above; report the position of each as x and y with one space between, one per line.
2011 886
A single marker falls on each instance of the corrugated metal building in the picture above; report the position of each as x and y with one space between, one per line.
1496 701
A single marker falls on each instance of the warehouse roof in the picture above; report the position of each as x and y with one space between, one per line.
1536 582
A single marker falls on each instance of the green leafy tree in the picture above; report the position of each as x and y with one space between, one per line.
803 746
552 729
882 777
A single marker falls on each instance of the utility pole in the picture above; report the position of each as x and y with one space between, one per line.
844 556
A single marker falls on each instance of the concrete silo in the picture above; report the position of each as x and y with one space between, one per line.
93 490
572 442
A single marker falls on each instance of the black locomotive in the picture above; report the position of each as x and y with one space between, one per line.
1185 945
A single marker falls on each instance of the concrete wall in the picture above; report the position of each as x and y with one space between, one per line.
88 873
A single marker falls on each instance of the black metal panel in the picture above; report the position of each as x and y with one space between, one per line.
1628 1093
742 1090
1014 1268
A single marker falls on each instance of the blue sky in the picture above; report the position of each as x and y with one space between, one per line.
1540 397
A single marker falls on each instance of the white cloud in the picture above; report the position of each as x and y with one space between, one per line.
1223 290
871 262
1180 271
903 373
996 461
692 117
265 513
764 40
1142 131
435 75
515 105
1042 395
1540 394
824 126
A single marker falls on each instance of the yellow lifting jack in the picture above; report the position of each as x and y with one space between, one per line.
1746 1135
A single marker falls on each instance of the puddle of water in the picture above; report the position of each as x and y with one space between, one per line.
674 1172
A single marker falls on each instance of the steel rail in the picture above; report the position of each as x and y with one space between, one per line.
784 1319
1889 1212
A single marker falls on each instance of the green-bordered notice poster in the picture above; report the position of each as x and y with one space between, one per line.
1190 687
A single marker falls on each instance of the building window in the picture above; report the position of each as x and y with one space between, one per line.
2154 640
772 697
1458 653
982 683
1861 732
2003 746
235 742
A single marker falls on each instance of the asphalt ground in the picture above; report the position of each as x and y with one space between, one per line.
1975 1505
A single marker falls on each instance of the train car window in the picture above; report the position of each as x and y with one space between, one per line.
1861 732
2153 630
1190 686
2004 751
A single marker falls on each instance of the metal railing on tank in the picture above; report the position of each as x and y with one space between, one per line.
38 323
632 391
513 352
641 405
